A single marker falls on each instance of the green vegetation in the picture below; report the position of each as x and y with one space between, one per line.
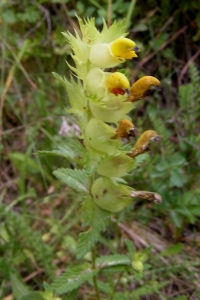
40 216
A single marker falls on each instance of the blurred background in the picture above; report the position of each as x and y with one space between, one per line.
40 218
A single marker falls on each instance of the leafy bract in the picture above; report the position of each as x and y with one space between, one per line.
77 98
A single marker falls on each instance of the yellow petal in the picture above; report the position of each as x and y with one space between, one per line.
123 48
116 82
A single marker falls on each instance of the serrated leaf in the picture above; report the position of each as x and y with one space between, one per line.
77 179
73 278
97 219
70 150
86 241
75 91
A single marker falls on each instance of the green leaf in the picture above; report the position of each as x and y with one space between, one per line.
73 278
129 246
140 159
33 296
86 241
104 287
18 287
112 260
172 250
77 179
121 296
70 150
97 219
180 298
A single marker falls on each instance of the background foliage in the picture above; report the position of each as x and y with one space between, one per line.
40 217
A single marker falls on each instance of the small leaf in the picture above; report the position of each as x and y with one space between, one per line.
112 260
172 250
77 179
129 246
18 287
71 149
86 241
33 296
97 219
73 278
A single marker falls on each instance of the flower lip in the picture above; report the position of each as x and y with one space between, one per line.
133 131
127 91
136 49
157 88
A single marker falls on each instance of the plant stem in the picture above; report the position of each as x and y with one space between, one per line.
116 285
130 12
95 277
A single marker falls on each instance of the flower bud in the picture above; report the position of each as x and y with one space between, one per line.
137 265
110 195
99 136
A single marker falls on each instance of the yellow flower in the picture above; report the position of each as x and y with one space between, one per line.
109 55
143 143
117 84
125 129
143 87
101 83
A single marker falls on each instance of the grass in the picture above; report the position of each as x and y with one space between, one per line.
40 218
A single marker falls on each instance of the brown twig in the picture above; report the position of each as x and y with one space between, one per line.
71 21
151 55
184 70
109 13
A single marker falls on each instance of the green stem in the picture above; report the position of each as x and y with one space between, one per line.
116 285
95 277
130 12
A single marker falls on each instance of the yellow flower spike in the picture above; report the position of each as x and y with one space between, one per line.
143 143
125 129
117 83
123 48
143 87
